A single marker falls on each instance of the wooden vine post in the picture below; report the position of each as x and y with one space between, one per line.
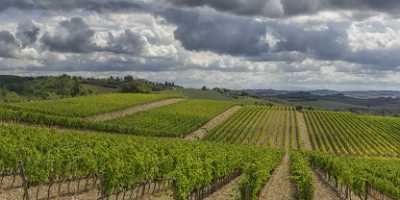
366 190
24 180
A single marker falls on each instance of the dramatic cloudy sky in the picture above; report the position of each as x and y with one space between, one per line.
283 44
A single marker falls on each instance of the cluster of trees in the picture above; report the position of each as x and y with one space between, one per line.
130 84
15 88
229 92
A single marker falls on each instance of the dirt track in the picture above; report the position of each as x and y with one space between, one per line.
228 192
202 132
279 187
322 190
86 189
132 110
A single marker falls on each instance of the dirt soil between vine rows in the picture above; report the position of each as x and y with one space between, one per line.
203 131
132 110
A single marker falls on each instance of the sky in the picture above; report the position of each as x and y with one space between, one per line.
238 44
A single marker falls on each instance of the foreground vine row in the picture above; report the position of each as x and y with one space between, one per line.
122 162
363 176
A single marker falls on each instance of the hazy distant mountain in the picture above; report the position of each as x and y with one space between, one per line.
376 102
372 94
322 92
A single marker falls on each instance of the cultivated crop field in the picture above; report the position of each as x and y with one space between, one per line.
173 120
259 125
88 105
346 133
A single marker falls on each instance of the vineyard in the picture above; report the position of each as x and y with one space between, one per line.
173 120
349 134
259 145
120 162
88 105
259 125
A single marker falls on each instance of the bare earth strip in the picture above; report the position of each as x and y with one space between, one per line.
203 131
132 110
228 192
167 195
279 186
91 194
305 137
323 191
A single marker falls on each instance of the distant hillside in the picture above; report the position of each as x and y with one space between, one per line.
15 88
370 94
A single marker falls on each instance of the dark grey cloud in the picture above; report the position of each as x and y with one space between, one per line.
244 36
266 8
74 36
328 43
103 5
126 43
284 8
27 33
9 46
218 33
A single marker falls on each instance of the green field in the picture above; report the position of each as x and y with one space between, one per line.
173 120
203 94
258 125
346 133
88 105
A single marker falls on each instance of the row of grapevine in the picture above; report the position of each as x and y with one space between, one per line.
258 125
294 131
257 174
301 175
88 105
122 162
363 176
346 133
